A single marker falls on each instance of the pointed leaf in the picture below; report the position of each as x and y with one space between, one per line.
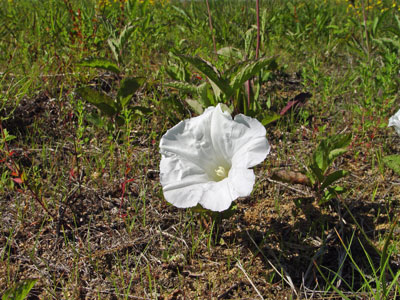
20 290
125 34
142 110
195 105
250 69
320 156
230 52
105 103
393 162
331 178
115 48
338 146
208 70
100 63
269 118
183 86
203 92
288 106
128 87
18 180
317 172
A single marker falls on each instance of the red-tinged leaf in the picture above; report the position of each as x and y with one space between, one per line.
11 153
128 169
72 174
17 180
129 180
300 99
288 106
15 174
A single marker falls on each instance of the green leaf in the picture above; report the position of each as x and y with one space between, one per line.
329 149
230 52
320 156
393 162
100 63
208 70
250 69
114 45
127 88
195 105
183 86
105 103
203 92
337 146
142 110
20 290
95 120
331 178
393 42
183 14
316 172
125 34
269 118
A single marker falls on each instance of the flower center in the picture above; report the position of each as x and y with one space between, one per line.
221 173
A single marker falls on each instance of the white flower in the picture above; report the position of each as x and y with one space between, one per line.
395 122
206 159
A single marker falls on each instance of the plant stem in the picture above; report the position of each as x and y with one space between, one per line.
365 28
19 173
248 85
258 27
211 28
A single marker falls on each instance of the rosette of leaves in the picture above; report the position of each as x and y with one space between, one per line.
109 106
321 179
318 175
113 106
223 87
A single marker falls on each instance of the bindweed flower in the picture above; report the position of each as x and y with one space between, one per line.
206 159
395 122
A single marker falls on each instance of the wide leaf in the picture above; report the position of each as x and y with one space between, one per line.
269 118
100 63
331 178
105 103
127 88
195 105
393 162
208 70
20 290
338 145
183 86
250 69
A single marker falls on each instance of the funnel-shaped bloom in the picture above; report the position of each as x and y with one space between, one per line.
395 122
206 159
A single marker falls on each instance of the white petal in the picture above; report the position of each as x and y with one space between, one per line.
395 122
215 196
190 141
241 141
218 196
221 137
242 181
193 151
250 144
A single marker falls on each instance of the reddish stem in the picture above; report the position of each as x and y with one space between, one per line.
19 173
258 27
211 28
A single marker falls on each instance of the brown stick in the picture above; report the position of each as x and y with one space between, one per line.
291 177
